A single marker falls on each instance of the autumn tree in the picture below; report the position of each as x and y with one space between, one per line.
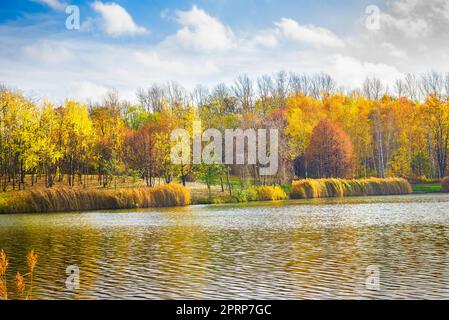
330 153
436 120
109 130
49 149
210 174
18 125
76 138
139 150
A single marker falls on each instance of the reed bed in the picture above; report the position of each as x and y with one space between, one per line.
445 184
65 199
328 188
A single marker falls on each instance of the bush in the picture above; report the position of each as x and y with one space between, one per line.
445 184
65 199
269 193
259 193
325 188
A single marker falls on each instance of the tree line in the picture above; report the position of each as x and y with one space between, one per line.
324 131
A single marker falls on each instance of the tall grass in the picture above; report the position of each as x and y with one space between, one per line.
65 199
326 188
445 184
23 281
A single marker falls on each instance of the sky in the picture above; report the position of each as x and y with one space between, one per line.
126 45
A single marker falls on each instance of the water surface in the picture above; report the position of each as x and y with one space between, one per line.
314 249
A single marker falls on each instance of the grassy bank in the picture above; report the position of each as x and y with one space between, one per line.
426 187
65 199
247 194
78 199
326 188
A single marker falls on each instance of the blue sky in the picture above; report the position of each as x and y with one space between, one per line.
337 15
130 44
249 13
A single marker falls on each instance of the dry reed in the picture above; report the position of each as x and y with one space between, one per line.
21 282
3 268
65 199
325 188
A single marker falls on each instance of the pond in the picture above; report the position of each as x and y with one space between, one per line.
366 247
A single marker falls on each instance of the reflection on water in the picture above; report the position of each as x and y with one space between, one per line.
287 250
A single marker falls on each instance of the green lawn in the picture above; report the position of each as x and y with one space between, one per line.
427 188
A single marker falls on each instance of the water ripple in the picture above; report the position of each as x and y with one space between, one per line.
313 249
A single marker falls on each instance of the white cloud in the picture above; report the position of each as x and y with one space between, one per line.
351 72
393 51
205 50
268 39
87 91
201 31
414 18
410 27
54 4
309 34
411 36
403 7
47 52
116 20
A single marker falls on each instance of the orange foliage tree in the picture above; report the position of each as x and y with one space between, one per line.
330 153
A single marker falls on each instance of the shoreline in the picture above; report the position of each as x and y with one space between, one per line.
60 200
195 203
254 202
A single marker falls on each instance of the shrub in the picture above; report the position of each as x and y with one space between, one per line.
445 184
65 199
265 193
324 188
241 195
259 193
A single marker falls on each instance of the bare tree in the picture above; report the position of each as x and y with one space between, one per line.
244 92
112 99
221 93
322 84
432 83
265 87
411 87
176 95
143 98
152 99
373 88
300 83
399 87
446 85
281 88
200 96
